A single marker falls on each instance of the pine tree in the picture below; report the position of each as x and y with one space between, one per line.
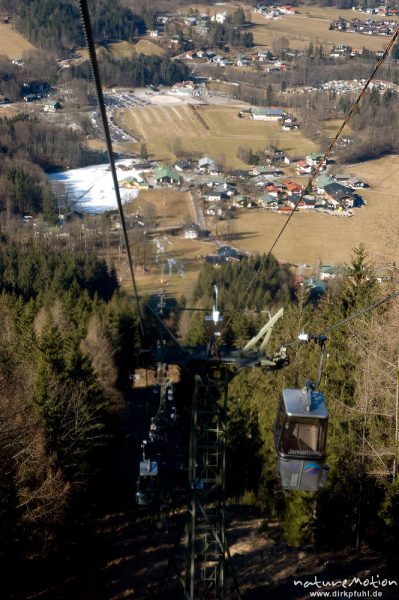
143 152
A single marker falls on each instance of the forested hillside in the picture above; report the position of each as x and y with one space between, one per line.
271 287
68 341
361 500
55 25
27 148
138 70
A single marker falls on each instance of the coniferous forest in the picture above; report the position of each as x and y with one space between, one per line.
56 26
359 506
64 328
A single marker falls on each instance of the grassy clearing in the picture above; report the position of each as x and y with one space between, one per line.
149 48
218 132
312 25
331 126
208 9
165 207
123 49
12 43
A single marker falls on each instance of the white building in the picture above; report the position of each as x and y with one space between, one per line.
219 17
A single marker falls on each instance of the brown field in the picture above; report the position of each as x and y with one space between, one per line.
12 43
163 208
124 50
166 207
188 252
312 25
149 48
310 237
213 130
208 9
331 126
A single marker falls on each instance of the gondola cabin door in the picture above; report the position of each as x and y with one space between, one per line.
300 437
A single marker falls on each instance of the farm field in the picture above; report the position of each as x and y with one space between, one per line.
213 130
315 236
312 25
164 207
12 43
210 9
123 49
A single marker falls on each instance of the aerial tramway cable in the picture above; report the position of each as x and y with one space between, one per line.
363 311
84 10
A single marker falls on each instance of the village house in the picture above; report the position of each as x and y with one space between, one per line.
288 9
341 177
228 254
303 168
289 123
327 272
314 286
269 201
314 158
219 17
213 196
292 187
191 231
267 113
214 210
268 171
339 195
321 183
183 88
240 200
182 165
356 183
166 175
274 156
208 165
238 174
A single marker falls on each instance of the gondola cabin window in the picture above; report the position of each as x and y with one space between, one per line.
304 437
300 429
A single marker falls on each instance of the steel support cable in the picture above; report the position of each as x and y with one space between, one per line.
88 31
348 319
361 312
84 11
317 169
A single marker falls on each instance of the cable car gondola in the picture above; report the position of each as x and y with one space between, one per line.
300 438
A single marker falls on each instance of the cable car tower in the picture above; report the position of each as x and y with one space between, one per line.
207 553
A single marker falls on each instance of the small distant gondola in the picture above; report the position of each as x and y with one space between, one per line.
300 438
147 488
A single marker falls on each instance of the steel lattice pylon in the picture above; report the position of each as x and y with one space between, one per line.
206 528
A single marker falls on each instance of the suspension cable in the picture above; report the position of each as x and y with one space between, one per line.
322 337
361 312
317 169
88 31
84 11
